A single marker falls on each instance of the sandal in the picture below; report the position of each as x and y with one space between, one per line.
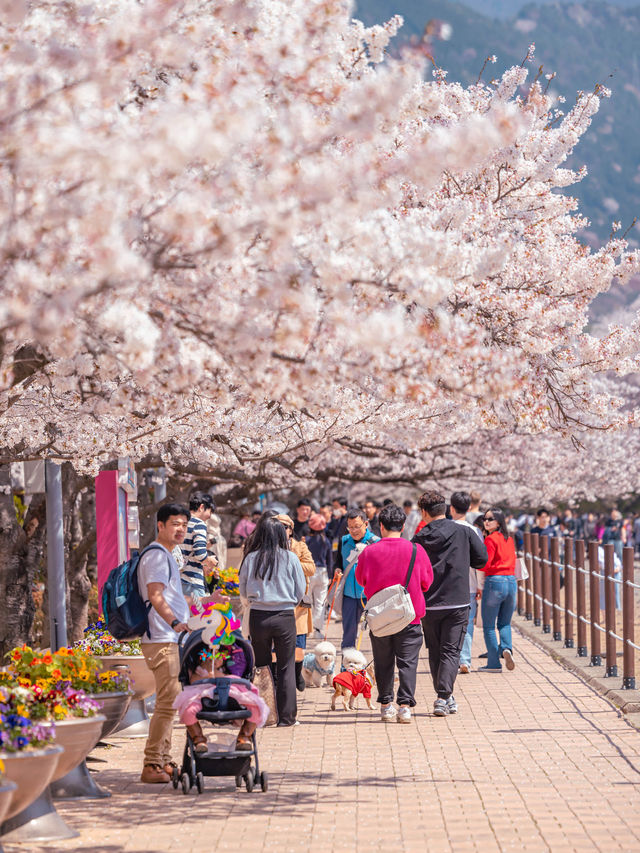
169 767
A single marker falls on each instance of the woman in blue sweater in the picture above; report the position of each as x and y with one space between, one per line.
272 580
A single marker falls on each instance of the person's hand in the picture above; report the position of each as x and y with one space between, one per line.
180 627
337 574
210 562
216 597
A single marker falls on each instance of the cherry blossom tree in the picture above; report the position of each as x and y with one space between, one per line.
236 240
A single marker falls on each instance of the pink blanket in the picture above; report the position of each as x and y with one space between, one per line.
189 702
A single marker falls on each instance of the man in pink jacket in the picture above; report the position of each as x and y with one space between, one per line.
383 564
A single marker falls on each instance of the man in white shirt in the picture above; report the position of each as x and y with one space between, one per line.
459 508
159 583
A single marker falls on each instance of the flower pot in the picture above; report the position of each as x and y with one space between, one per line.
113 706
40 821
78 736
6 793
31 771
78 783
135 722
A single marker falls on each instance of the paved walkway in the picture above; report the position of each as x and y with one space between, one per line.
535 760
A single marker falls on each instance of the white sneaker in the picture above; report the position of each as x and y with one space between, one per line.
508 659
388 714
404 714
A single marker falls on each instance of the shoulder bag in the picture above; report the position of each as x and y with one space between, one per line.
391 609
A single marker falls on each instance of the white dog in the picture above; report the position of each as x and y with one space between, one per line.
319 664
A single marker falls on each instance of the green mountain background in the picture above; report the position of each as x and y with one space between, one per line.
584 43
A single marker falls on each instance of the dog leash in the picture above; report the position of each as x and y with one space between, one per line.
334 583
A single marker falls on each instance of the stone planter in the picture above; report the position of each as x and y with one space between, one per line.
31 772
39 821
7 789
135 722
79 783
78 736
113 706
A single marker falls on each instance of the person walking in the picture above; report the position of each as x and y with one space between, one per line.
160 585
452 549
304 624
320 549
372 509
459 507
194 548
351 546
384 564
499 592
272 580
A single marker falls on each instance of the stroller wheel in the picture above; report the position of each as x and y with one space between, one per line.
175 777
249 780
238 781
186 783
264 782
200 781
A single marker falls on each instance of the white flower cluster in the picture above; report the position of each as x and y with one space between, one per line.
237 241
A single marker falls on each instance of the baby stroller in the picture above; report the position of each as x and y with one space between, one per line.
220 710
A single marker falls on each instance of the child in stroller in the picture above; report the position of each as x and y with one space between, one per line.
216 668
203 666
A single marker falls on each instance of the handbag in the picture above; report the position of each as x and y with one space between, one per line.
391 609
521 572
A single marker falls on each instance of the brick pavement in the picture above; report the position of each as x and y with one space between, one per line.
535 760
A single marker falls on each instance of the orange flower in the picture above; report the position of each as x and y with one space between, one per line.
47 658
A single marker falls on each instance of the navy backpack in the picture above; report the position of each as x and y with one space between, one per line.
125 611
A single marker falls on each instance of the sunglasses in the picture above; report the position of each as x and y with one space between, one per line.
489 518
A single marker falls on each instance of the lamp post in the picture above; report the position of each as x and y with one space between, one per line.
55 556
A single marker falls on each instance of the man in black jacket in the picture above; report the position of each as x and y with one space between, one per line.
452 549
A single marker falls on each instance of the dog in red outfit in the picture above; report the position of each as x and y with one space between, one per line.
357 678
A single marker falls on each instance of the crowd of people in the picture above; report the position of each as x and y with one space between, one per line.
297 572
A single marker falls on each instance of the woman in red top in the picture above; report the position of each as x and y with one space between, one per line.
499 593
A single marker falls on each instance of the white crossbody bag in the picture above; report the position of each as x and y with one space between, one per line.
391 609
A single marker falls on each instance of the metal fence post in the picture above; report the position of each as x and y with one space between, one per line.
537 580
581 600
528 584
594 604
546 585
569 582
628 627
555 587
609 613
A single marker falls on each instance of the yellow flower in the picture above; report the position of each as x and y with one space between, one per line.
84 674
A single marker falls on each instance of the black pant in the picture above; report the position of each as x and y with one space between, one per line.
401 649
277 629
444 632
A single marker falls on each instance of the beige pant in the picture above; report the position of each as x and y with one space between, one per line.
164 662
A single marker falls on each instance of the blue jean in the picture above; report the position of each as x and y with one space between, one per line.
465 654
498 604
352 610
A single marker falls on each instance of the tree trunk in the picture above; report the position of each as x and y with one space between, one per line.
21 556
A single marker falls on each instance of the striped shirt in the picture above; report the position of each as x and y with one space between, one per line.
194 551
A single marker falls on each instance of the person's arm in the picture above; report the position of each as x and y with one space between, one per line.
484 557
426 571
306 560
361 568
299 579
156 597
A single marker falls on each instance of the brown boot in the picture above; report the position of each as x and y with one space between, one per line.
153 773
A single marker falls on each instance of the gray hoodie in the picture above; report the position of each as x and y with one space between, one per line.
282 591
